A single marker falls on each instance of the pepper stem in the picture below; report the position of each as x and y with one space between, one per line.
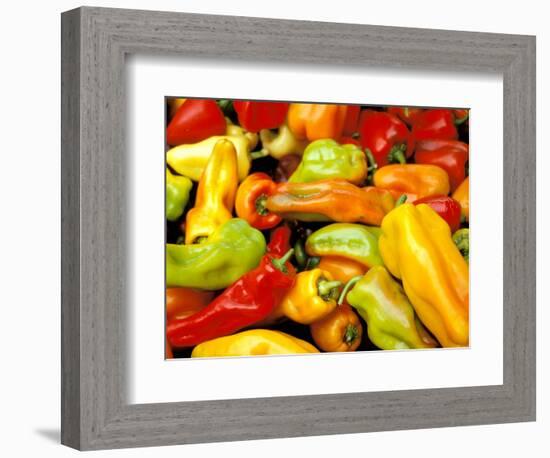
402 199
350 334
346 289
370 158
279 263
260 205
397 154
259 154
326 288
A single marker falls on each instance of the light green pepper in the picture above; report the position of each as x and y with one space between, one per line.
177 195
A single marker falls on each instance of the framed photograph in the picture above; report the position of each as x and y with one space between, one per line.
268 234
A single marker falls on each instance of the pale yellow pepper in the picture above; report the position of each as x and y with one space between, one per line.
253 343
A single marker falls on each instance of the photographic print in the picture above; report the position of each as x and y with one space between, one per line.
297 228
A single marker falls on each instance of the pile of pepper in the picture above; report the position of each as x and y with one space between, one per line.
301 228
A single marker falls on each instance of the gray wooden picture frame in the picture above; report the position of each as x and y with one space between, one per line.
95 41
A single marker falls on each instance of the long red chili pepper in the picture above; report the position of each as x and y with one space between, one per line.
247 301
279 243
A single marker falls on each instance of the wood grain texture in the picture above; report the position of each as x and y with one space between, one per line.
95 412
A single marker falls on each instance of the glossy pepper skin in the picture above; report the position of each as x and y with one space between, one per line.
437 124
312 297
444 206
311 121
417 247
331 200
450 155
254 342
177 195
232 250
247 301
282 143
195 120
407 114
385 136
341 268
351 241
391 321
215 194
326 159
420 179
339 331
462 196
250 201
191 160
182 302
279 241
255 116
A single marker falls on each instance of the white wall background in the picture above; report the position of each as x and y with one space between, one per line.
30 214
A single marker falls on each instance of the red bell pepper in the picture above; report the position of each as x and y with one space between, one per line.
249 300
450 155
444 206
194 121
437 124
384 135
351 122
407 114
255 116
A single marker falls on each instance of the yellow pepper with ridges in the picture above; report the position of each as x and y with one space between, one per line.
417 247
190 159
312 297
253 343
215 194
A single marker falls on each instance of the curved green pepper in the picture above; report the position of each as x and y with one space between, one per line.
326 159
177 195
391 321
232 250
353 241
461 238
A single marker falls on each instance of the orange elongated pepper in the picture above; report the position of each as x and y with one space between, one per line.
215 194
183 302
417 247
313 121
420 179
462 196
331 200
340 330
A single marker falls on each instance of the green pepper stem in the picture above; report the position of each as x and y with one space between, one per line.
260 205
279 263
402 199
300 253
397 154
347 287
259 154
370 158
325 287
351 333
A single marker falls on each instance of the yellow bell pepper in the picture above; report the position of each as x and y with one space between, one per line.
215 194
417 247
282 143
190 159
252 343
462 196
312 297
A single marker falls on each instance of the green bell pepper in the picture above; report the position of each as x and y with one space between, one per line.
392 323
326 159
177 195
347 240
461 238
232 250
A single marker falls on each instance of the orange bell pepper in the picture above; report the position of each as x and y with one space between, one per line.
314 121
342 269
341 330
331 200
420 179
250 201
462 196
183 302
